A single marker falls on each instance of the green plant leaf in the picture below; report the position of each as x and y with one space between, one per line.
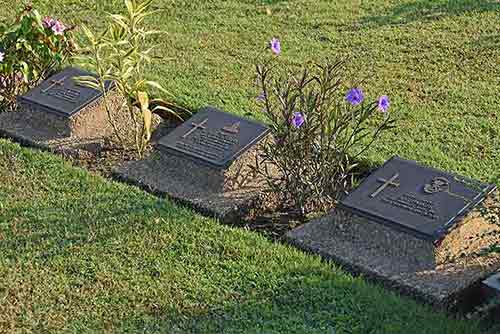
89 34
156 85
89 84
37 17
130 6
168 110
144 6
146 113
120 20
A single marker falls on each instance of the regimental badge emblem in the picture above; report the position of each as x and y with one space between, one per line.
442 184
234 129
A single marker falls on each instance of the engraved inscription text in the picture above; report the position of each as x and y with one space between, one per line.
412 203
66 94
211 144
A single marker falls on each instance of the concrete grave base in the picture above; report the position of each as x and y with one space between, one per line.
80 136
89 122
211 179
442 275
208 163
181 181
13 125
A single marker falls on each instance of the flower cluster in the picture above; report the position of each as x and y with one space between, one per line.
30 49
261 97
56 26
383 103
318 130
354 96
298 119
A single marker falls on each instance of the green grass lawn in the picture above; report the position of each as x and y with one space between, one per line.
78 253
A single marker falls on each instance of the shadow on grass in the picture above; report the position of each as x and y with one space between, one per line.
425 10
309 301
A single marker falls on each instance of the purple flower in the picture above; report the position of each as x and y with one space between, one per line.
261 97
55 25
383 103
275 46
355 96
48 22
298 119
58 28
2 56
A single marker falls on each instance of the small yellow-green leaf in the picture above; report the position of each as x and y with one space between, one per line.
119 20
143 6
86 78
147 116
143 100
146 113
156 85
89 34
130 6
87 83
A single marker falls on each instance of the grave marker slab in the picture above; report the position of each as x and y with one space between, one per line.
213 149
64 108
423 201
61 95
207 163
213 137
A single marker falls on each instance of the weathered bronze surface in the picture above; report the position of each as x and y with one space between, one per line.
423 201
60 94
213 137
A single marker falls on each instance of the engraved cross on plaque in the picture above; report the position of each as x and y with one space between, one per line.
53 84
195 127
385 184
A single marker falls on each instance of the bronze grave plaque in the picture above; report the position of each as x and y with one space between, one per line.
213 137
61 95
424 201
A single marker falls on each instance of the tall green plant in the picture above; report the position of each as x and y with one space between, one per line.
30 49
119 54
319 133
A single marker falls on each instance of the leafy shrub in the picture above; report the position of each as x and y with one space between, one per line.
119 54
319 133
30 49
